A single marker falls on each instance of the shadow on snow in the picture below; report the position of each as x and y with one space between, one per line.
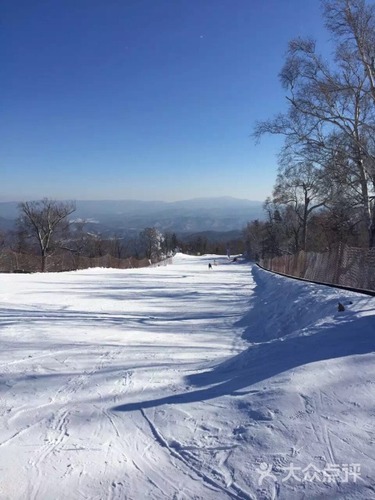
303 342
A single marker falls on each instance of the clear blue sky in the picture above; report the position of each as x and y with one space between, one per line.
143 99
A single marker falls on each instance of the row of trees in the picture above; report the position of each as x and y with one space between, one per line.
325 187
45 228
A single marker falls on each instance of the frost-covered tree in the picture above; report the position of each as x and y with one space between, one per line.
151 241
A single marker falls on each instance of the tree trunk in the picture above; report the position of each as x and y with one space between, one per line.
371 230
304 221
44 258
368 218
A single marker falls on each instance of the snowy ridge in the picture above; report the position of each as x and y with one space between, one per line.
181 382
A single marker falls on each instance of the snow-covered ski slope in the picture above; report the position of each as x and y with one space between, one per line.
180 382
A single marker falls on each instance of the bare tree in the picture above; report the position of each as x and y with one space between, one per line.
301 186
3 238
334 99
352 22
45 221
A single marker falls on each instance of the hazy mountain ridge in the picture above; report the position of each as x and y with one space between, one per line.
186 216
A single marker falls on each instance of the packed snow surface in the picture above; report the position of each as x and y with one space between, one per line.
182 382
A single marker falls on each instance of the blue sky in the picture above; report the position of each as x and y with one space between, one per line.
143 99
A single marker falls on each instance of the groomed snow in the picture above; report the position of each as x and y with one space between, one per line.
180 382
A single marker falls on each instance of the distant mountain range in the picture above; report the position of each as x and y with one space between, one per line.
124 217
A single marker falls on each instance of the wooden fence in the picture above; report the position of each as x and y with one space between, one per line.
342 265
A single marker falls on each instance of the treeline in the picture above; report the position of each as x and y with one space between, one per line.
47 237
46 229
325 188
202 244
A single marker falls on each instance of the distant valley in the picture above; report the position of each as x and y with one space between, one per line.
128 217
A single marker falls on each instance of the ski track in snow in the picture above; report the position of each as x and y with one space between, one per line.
179 382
